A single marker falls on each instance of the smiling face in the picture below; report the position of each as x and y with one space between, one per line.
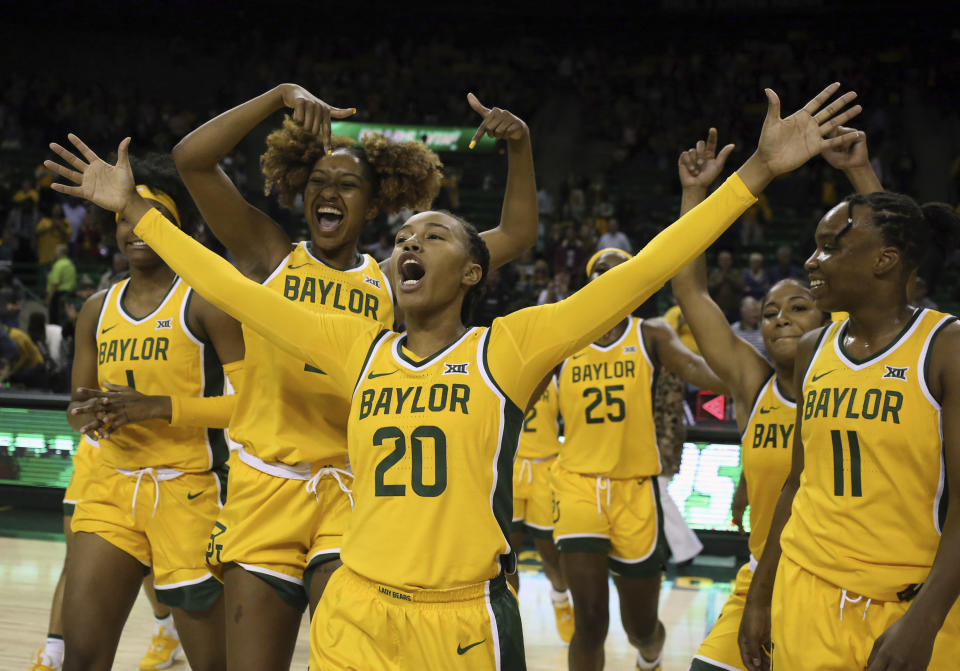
850 253
138 253
788 313
337 200
432 264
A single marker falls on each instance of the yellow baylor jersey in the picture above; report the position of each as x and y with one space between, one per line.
158 355
287 412
419 453
539 437
871 504
767 450
606 399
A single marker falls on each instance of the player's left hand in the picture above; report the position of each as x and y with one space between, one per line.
497 123
110 186
120 405
702 164
905 646
847 157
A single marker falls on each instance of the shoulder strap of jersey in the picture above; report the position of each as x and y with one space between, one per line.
111 294
826 335
926 355
283 262
756 402
381 338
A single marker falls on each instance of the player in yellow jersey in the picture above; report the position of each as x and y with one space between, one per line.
533 498
152 493
764 395
606 511
290 425
867 521
435 411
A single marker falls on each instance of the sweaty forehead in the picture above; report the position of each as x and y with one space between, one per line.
340 160
431 219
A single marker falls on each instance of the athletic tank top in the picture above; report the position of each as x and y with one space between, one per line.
431 441
606 399
158 355
767 449
539 437
872 500
287 411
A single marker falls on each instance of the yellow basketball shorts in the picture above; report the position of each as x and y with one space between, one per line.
720 650
276 529
819 626
533 496
361 624
620 518
83 461
163 523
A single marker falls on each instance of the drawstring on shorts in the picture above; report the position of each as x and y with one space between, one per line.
335 473
602 483
844 599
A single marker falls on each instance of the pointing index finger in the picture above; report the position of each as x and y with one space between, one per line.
477 106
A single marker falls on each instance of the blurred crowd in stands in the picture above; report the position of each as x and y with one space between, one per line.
636 103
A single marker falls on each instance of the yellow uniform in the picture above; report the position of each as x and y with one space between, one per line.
866 521
539 445
287 510
606 496
83 460
154 490
431 443
766 448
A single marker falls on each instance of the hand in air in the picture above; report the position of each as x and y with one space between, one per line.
497 123
700 166
311 113
786 144
850 156
109 186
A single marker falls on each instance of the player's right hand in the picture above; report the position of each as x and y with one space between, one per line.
754 636
701 165
311 113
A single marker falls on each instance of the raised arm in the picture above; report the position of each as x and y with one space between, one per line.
673 355
854 161
254 239
329 341
736 362
519 217
530 342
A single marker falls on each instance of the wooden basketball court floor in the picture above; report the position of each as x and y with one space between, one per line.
29 569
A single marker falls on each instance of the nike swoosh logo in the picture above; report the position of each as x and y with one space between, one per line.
191 497
460 650
577 356
108 328
300 266
817 377
764 411
312 369
372 376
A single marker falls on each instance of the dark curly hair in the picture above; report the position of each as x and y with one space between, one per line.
403 174
917 231
480 254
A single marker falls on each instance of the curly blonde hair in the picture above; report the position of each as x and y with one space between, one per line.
406 174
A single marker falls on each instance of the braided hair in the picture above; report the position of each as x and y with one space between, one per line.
480 254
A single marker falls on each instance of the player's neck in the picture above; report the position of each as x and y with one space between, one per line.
783 375
345 256
879 322
144 279
613 334
430 332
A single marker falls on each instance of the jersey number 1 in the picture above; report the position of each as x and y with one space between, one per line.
838 479
433 433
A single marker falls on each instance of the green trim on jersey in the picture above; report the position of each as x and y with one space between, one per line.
753 404
858 362
591 544
291 592
813 355
506 613
135 320
443 350
213 386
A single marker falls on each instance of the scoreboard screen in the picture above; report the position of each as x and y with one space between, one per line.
36 445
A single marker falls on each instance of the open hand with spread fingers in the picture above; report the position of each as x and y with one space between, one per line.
112 187
701 165
497 123
311 113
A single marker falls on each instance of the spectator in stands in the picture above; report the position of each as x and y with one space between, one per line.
674 317
49 341
53 230
754 221
919 294
20 228
27 193
576 206
748 327
21 363
61 282
74 211
556 290
15 291
497 298
756 283
570 255
726 285
88 239
119 270
545 203
614 238
785 268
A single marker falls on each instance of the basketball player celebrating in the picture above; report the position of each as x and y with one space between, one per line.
290 423
865 540
533 498
764 395
153 491
435 411
607 514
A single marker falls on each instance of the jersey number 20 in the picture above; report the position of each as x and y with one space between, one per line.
417 436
